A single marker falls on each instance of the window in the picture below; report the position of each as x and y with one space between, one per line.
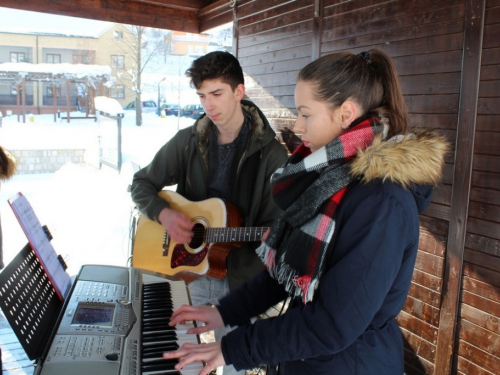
53 59
83 57
118 35
117 62
50 91
118 92
17 57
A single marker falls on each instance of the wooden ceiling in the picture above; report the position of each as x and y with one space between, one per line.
194 16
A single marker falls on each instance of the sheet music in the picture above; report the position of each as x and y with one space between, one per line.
40 244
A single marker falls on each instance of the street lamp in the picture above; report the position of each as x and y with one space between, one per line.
159 110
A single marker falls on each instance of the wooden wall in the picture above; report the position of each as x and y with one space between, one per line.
447 53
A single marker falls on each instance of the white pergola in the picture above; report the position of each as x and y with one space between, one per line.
93 76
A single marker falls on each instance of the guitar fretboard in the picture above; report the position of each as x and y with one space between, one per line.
236 234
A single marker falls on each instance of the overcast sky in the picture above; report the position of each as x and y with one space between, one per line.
25 21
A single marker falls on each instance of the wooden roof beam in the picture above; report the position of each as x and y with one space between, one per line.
149 13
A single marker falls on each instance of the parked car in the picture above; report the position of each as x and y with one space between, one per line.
192 110
170 109
147 106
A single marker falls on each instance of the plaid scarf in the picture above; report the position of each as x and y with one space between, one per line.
308 190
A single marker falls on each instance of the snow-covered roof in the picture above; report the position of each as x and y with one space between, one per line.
46 71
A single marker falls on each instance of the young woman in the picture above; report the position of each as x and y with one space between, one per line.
344 245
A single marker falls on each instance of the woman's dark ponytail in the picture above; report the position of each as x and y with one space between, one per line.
393 105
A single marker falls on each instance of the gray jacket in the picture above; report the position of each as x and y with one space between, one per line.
184 161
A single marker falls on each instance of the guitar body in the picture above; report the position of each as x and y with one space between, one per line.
154 250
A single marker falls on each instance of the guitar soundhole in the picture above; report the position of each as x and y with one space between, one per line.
198 236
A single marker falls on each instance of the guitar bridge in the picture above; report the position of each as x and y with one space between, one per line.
166 242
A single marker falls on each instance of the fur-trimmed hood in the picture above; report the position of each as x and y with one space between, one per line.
417 158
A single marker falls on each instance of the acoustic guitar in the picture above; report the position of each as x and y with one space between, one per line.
217 230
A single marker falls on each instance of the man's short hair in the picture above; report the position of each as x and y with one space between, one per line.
216 65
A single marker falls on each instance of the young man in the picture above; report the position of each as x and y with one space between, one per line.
229 153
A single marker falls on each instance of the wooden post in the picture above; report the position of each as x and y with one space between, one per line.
236 36
317 29
54 95
464 151
23 99
68 105
18 91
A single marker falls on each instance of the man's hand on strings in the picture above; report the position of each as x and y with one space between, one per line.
210 354
206 314
177 225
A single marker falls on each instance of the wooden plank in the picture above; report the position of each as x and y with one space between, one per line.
434 225
483 228
482 274
258 91
490 72
277 67
442 194
297 52
432 103
487 245
429 263
484 211
424 294
421 310
419 347
432 243
472 338
485 195
417 327
489 89
485 180
275 17
482 259
443 83
127 12
356 12
491 39
434 120
490 56
274 37
442 62
488 106
317 29
481 311
487 163
438 211
492 16
488 123
279 79
465 367
473 37
410 45
423 23
481 288
298 41
427 280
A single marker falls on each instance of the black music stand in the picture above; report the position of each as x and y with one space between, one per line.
29 301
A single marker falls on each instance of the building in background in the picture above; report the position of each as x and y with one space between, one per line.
163 58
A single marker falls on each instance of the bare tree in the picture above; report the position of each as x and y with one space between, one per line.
140 46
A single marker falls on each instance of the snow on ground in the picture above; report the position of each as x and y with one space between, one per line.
86 209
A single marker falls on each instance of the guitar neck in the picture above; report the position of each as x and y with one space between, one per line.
235 234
